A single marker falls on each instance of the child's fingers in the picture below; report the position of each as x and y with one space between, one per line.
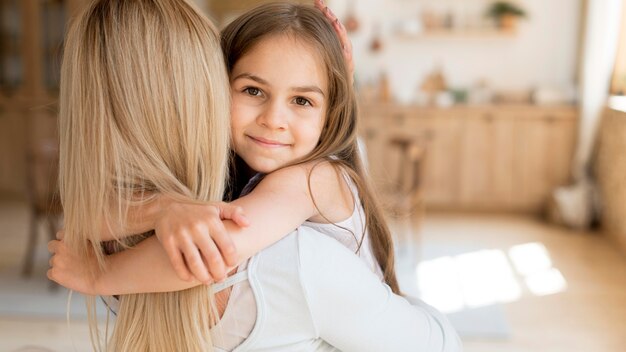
234 213
52 260
194 262
53 274
50 274
225 249
52 245
239 217
178 263
214 261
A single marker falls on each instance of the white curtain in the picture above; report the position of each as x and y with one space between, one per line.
601 35
599 51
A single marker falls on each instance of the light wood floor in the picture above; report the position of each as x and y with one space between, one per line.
589 316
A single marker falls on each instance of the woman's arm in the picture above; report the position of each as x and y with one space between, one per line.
140 219
354 311
346 45
143 268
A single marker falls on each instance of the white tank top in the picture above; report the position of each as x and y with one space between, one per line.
239 318
313 295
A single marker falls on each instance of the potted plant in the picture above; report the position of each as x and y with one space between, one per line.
505 14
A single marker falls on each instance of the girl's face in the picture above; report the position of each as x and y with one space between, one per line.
279 96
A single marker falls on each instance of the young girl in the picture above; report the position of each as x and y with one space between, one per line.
294 125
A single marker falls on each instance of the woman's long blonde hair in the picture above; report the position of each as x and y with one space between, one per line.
144 109
338 140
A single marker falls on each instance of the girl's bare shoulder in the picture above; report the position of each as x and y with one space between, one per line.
321 182
317 173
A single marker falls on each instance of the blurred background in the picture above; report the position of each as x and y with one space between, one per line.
494 131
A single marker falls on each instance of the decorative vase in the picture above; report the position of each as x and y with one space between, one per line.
507 22
351 22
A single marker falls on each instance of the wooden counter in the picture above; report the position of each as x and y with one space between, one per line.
497 157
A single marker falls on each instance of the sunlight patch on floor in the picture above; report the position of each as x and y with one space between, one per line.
488 276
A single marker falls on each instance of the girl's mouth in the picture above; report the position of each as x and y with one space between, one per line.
268 143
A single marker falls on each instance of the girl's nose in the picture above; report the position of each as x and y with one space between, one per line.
273 117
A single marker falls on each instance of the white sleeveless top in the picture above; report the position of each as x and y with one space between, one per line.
313 294
238 319
306 293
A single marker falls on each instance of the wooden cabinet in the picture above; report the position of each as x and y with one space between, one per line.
543 151
485 158
31 35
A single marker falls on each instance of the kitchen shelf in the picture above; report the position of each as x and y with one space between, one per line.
472 33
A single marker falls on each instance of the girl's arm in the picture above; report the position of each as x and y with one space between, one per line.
142 218
277 206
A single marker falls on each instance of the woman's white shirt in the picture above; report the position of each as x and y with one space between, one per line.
313 294
239 318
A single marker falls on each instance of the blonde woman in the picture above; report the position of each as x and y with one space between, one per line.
144 109
142 117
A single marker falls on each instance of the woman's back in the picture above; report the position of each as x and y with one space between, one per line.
143 110
313 294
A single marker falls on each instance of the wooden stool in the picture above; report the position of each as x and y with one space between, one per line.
44 202
405 195
406 189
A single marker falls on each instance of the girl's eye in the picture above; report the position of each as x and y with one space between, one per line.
302 101
252 91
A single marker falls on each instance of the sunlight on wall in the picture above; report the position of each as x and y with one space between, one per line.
487 277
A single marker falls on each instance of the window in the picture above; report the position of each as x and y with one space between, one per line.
618 81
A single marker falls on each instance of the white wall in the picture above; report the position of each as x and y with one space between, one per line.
543 53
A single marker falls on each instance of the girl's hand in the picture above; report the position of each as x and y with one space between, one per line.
343 36
71 271
195 239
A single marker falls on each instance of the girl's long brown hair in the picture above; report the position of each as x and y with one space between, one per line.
338 140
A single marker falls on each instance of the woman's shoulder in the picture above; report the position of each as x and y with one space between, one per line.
301 253
305 262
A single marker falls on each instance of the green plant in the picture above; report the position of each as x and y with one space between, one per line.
501 8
